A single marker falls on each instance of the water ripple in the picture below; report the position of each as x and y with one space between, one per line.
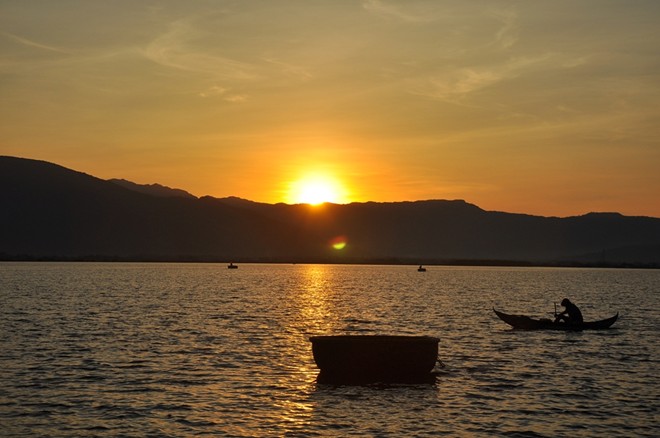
181 350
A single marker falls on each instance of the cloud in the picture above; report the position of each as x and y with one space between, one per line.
176 49
454 85
224 94
187 47
236 98
34 44
213 91
507 36
290 70
395 11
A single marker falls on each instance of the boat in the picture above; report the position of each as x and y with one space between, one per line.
421 269
358 359
232 266
522 322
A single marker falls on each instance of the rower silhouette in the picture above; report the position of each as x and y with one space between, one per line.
571 313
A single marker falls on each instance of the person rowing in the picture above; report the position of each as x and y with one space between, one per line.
571 313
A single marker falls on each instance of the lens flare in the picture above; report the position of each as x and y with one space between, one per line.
339 242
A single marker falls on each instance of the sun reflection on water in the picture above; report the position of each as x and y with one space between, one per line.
316 300
311 310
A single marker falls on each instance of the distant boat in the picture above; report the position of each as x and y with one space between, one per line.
523 322
421 269
375 358
232 266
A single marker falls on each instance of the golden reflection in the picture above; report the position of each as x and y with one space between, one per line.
317 313
316 299
312 306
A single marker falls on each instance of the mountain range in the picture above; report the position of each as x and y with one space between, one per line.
49 212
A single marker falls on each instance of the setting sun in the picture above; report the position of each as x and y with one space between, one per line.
317 189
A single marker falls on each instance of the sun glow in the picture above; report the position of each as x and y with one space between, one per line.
316 190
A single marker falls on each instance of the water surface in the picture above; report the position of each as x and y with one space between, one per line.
196 349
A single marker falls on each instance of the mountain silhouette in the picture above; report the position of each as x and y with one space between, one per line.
53 213
153 189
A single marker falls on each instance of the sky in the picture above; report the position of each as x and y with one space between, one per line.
541 107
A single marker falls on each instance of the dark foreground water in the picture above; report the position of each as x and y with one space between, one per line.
197 349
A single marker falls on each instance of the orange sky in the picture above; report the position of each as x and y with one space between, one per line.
544 107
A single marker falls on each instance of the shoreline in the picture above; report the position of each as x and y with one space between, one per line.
393 261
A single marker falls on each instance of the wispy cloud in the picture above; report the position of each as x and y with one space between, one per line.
187 47
289 69
34 44
396 11
223 93
215 90
455 85
507 35
175 49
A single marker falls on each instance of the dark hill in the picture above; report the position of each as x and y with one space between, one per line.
50 212
53 212
153 189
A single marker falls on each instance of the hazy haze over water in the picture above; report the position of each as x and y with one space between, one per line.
196 349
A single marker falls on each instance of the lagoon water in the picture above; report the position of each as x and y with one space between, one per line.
119 349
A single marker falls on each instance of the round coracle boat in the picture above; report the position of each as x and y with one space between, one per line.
374 358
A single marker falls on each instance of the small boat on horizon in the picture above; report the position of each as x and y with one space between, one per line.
421 269
523 322
232 266
359 359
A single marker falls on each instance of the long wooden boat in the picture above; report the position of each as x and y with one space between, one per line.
523 322
374 358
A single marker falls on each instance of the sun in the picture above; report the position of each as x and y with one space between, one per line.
316 190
